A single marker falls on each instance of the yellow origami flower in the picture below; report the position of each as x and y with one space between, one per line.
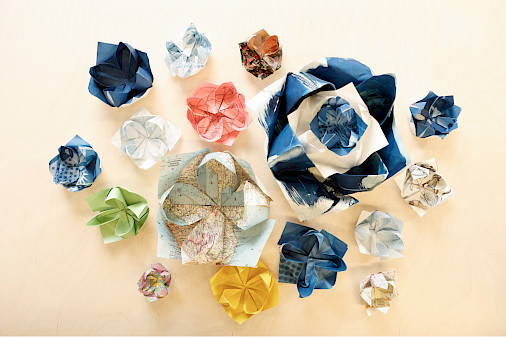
244 291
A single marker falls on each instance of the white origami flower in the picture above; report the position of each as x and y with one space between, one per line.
146 138
379 234
377 291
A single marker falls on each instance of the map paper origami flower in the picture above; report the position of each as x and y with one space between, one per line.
434 116
245 291
122 213
261 54
423 187
309 258
145 138
212 210
122 74
218 113
155 283
379 234
330 133
76 166
377 290
190 56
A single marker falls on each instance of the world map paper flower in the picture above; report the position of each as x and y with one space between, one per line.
309 258
212 210
377 290
155 283
122 213
379 234
434 116
145 138
245 291
423 187
76 166
261 54
218 113
190 56
330 133
122 74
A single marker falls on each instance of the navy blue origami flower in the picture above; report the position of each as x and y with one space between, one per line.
76 166
434 116
309 258
122 74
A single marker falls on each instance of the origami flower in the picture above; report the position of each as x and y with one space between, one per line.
330 133
76 166
155 283
122 74
191 56
122 213
212 210
309 258
261 54
434 116
244 291
377 290
379 234
218 113
146 138
423 187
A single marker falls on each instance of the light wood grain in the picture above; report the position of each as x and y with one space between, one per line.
57 277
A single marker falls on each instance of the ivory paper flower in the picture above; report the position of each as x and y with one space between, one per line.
190 56
155 283
261 54
434 116
145 138
330 133
122 213
122 74
212 210
245 291
379 234
377 290
218 113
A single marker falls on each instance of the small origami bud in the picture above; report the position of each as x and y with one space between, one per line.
155 283
261 54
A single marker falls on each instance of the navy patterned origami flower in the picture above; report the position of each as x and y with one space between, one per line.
122 74
76 166
434 116
309 258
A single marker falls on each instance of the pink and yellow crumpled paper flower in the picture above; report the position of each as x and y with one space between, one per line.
218 113
155 283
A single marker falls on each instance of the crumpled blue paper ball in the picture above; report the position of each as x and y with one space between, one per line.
122 74
309 258
434 116
76 166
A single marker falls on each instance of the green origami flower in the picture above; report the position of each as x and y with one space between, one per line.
122 213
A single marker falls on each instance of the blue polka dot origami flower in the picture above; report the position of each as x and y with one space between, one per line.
434 116
76 166
122 74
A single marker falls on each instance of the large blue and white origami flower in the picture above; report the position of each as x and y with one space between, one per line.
330 133
76 166
190 56
309 258
434 115
122 74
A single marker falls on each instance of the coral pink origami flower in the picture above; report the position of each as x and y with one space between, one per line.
218 113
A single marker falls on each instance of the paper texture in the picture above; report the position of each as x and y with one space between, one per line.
245 291
145 138
211 210
155 283
76 166
377 290
261 54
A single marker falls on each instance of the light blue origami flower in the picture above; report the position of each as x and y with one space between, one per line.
76 166
191 56
309 258
434 116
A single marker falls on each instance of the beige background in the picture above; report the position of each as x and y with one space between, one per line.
57 277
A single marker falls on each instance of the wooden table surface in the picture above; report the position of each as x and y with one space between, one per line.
57 276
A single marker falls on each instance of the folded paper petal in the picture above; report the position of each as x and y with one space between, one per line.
330 133
245 291
261 54
155 283
76 166
377 290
